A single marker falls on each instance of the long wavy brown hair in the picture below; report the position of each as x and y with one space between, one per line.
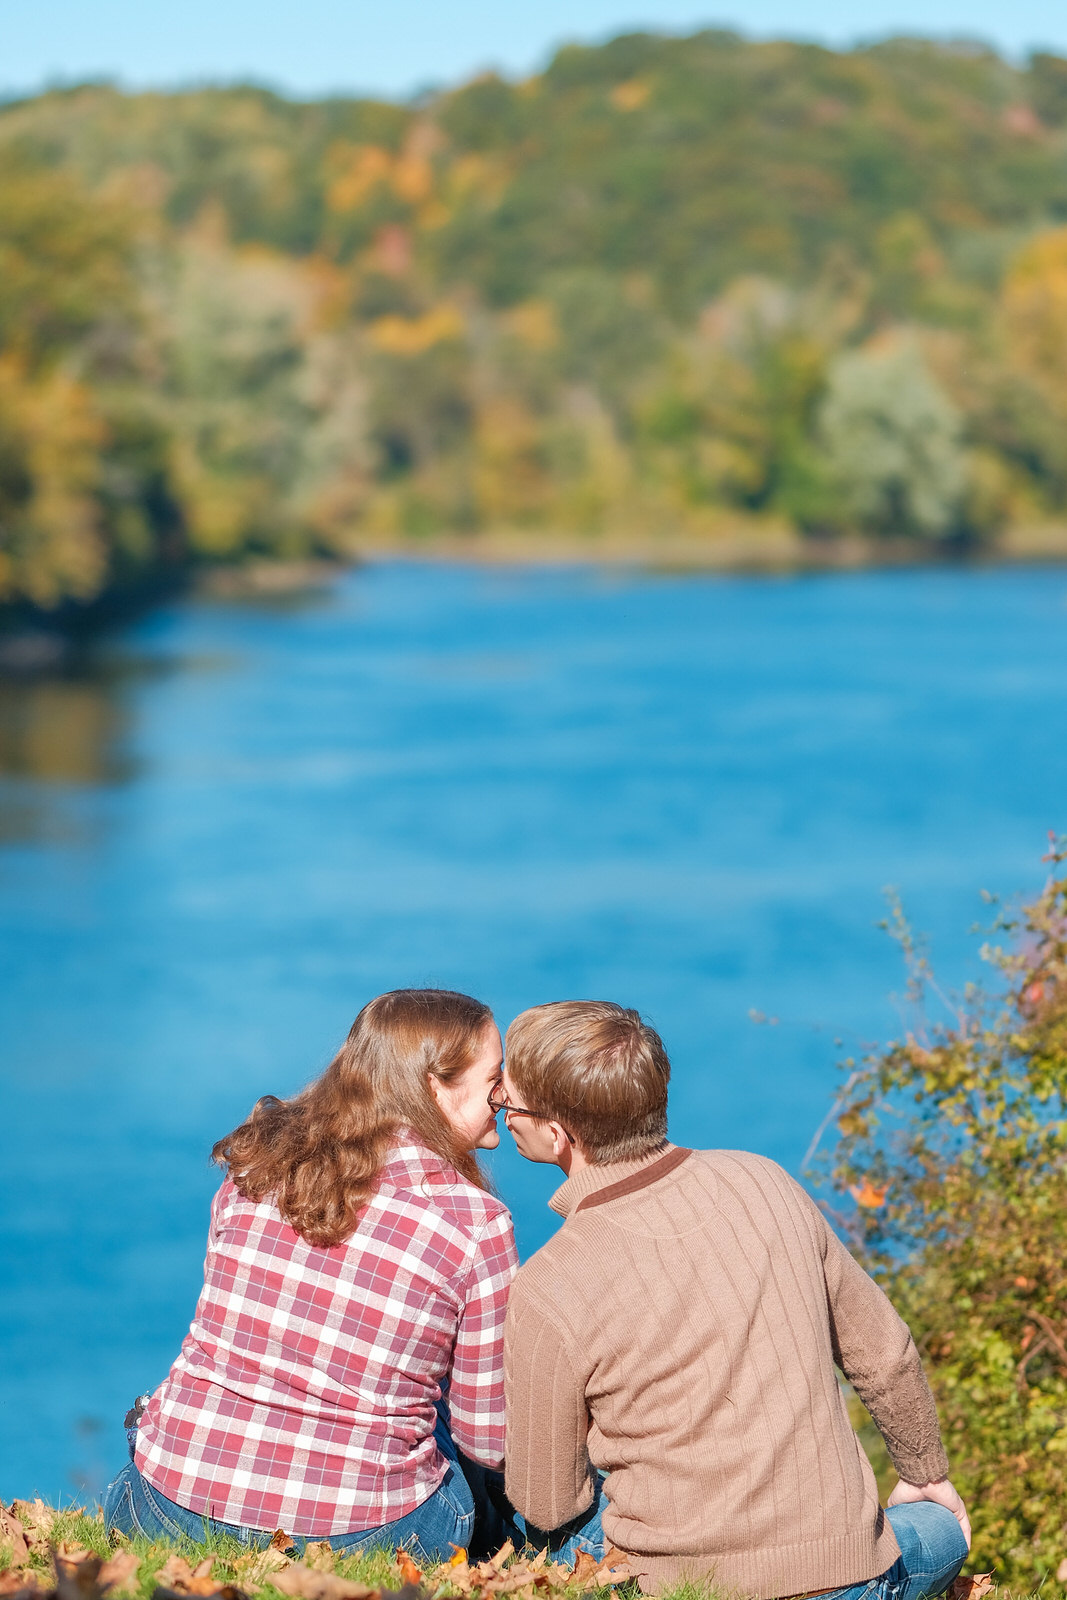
318 1156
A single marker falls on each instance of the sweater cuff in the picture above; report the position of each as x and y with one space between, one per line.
919 1467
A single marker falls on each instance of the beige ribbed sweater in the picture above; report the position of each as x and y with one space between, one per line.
683 1339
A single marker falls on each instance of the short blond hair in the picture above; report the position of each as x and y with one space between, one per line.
597 1069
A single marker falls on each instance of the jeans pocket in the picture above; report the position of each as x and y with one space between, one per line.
449 1500
131 1512
167 1523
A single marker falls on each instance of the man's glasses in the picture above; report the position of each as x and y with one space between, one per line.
498 1101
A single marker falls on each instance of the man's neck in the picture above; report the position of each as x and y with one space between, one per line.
572 1160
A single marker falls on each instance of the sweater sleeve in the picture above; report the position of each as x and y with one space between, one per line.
476 1389
876 1352
547 1471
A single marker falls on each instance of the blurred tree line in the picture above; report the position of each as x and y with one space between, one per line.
667 283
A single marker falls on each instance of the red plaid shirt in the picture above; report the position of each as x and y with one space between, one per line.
304 1394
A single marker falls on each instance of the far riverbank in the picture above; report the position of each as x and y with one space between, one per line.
39 642
770 548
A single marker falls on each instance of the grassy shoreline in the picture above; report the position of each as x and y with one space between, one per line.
772 549
36 642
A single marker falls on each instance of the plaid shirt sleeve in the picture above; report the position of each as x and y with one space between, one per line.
476 1392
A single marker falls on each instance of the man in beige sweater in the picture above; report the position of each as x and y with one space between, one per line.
671 1354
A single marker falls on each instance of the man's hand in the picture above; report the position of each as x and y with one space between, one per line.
942 1493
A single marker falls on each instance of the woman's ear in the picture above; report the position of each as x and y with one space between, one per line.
437 1089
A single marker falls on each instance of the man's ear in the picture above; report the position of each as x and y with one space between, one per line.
561 1144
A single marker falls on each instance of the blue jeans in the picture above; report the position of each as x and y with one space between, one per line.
465 1509
564 1543
932 1550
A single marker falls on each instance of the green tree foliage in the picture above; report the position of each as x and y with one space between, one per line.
892 444
953 1142
84 496
667 283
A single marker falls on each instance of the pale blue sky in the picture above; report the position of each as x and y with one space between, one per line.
394 46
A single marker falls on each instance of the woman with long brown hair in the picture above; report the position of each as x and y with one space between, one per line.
357 1272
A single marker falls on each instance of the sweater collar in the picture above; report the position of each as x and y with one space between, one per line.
590 1179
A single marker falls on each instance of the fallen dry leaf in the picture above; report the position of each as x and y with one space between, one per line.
972 1587
13 1536
409 1572
458 1558
319 1555
177 1575
585 1565
18 1580
68 1550
305 1583
35 1516
77 1580
1061 1571
255 1567
504 1554
457 1574
614 1568
119 1571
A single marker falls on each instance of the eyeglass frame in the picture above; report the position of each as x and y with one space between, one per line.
518 1111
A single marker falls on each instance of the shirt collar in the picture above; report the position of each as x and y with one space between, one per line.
590 1179
410 1161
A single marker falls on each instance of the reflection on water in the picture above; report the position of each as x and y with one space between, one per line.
59 735
63 731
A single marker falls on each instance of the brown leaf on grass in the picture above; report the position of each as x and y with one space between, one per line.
18 1581
306 1583
281 1541
1061 1571
614 1568
972 1587
119 1571
77 1579
13 1536
319 1555
35 1516
409 1572
79 1575
504 1554
585 1566
257 1567
457 1574
177 1575
506 1574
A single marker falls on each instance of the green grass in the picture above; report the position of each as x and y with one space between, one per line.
376 1568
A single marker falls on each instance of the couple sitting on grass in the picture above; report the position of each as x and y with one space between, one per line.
661 1377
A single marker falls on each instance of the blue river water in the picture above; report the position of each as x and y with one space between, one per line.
683 793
